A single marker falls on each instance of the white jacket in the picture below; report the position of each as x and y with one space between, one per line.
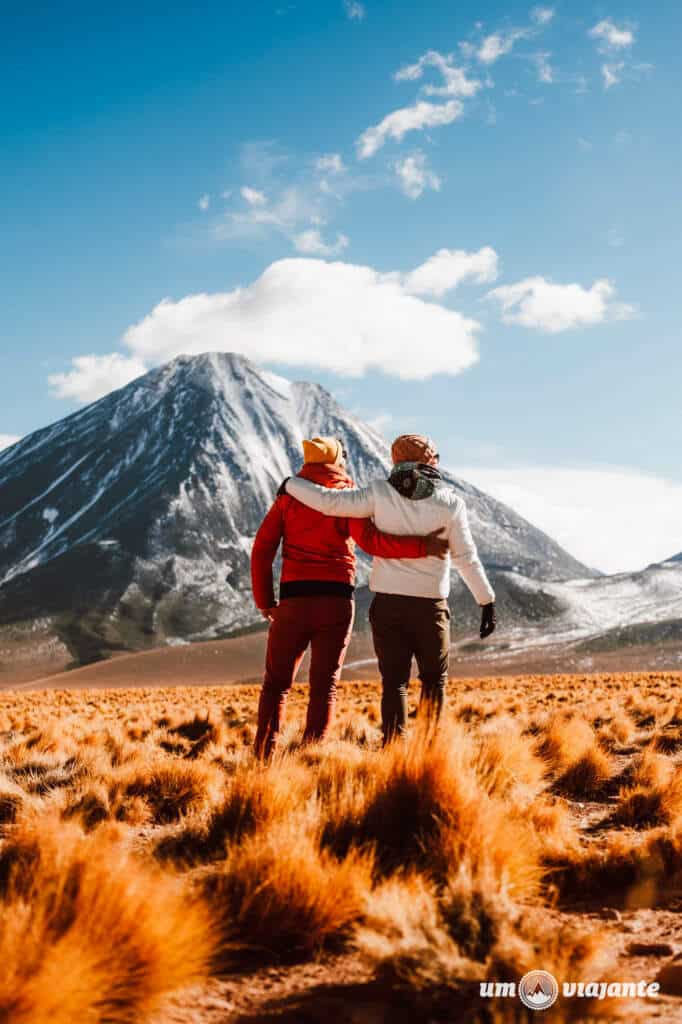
393 513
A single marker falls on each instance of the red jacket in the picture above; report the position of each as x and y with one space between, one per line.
318 547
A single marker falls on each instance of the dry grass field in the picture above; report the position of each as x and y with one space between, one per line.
152 871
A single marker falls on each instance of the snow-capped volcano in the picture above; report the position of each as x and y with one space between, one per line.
136 514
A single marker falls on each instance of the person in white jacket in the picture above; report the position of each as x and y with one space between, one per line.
409 614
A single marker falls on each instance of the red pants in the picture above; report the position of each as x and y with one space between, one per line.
326 624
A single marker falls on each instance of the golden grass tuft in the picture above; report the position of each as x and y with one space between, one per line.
588 776
435 948
278 894
652 770
88 932
89 805
566 738
424 806
574 756
12 800
627 870
616 730
173 789
505 760
405 938
256 797
554 828
645 806
668 741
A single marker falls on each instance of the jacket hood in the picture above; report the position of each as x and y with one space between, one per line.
326 475
414 480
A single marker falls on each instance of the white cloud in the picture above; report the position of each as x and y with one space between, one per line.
335 316
7 440
414 175
260 159
455 81
613 41
355 11
422 113
542 15
407 119
93 376
544 68
253 196
448 268
541 304
292 209
287 196
204 202
578 508
330 163
498 44
311 243
611 73
611 37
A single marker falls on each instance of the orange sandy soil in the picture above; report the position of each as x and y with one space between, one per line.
58 746
40 662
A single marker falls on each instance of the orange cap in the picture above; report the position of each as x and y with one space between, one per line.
414 448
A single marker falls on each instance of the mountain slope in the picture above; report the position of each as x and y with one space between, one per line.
136 514
642 609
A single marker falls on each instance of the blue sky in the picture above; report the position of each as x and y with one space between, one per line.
314 155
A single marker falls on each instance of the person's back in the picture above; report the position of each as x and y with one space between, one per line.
409 615
397 513
315 606
414 500
318 551
314 546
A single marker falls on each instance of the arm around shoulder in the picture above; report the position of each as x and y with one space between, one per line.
354 504
385 545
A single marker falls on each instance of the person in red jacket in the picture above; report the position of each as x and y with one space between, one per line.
316 604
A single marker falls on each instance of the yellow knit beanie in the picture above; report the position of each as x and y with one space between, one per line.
323 449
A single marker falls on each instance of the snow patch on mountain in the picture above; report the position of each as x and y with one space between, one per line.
591 608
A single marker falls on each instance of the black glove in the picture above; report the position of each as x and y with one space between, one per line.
283 487
487 619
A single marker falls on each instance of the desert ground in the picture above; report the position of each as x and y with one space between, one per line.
152 871
31 657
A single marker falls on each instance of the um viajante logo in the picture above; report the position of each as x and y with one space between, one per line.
538 990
